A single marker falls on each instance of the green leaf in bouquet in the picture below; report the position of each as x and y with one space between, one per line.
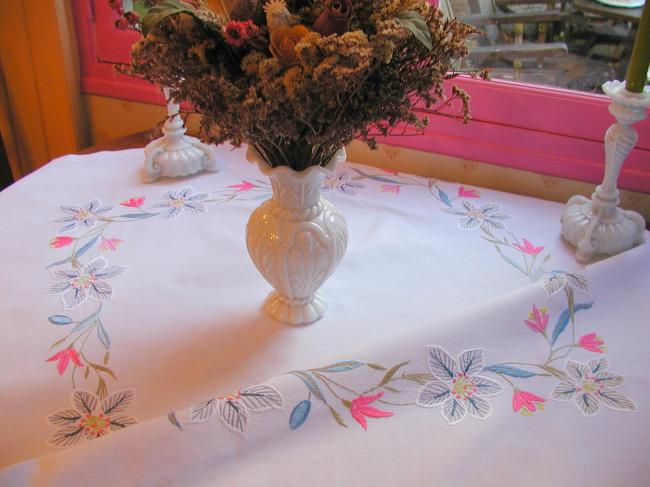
414 22
141 7
160 12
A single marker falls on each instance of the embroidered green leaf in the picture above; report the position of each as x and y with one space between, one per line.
567 316
391 372
58 342
59 262
103 335
414 22
138 216
343 366
310 382
107 355
86 372
101 368
86 247
174 420
102 390
376 367
419 378
60 320
392 389
553 371
161 11
299 414
337 417
510 371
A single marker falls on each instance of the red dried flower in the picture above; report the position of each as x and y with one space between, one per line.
335 19
238 33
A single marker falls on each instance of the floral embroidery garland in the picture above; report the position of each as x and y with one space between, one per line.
458 387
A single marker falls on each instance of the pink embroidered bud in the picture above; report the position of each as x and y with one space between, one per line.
592 343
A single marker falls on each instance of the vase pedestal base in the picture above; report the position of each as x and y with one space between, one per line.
295 311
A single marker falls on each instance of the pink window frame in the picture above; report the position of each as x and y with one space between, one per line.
547 130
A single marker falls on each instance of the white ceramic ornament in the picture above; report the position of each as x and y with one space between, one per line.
176 154
598 225
296 239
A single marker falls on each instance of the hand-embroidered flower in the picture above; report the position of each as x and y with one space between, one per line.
90 418
175 203
340 181
463 192
88 282
589 385
242 187
58 242
485 216
456 386
390 188
360 409
63 358
529 248
110 244
565 281
592 343
526 403
537 319
134 202
83 216
234 409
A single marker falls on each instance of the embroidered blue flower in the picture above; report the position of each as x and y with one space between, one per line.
456 388
340 181
590 385
176 203
76 285
485 216
82 216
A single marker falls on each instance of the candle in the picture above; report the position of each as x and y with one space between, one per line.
637 71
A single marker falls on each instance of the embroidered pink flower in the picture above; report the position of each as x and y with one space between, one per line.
135 202
238 33
63 359
58 242
110 244
468 193
244 186
537 319
360 409
526 403
529 248
390 188
592 343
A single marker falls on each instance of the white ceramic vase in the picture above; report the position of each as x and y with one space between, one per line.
296 239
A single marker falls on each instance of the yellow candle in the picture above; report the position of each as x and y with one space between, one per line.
637 71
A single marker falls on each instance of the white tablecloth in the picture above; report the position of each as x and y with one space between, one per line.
463 344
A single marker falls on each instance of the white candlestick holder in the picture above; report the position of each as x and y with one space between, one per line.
598 225
176 154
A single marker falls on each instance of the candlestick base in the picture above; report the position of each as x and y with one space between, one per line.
585 226
176 154
183 157
598 225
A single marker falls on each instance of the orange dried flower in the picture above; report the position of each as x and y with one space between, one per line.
284 41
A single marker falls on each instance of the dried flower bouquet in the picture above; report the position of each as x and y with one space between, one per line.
299 79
